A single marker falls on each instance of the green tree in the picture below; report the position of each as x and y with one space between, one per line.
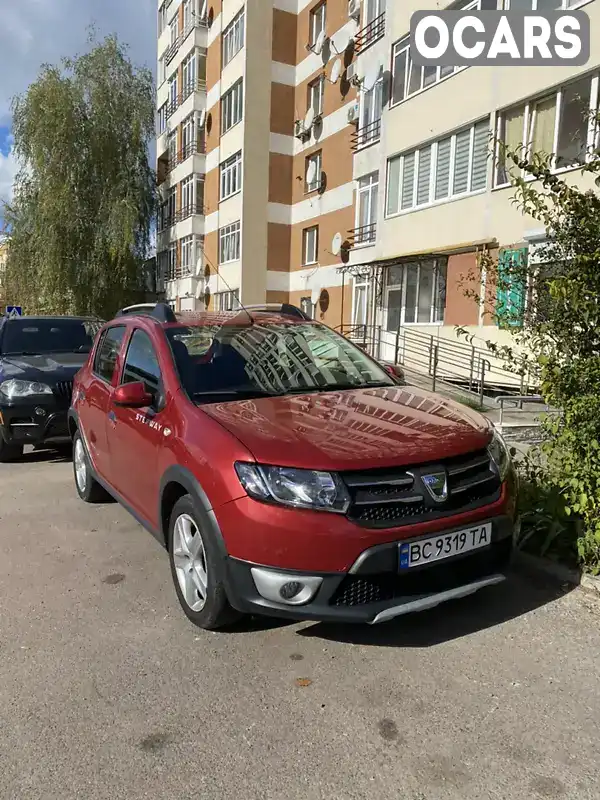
552 306
84 199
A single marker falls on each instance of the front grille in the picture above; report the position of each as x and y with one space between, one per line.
357 590
395 497
63 392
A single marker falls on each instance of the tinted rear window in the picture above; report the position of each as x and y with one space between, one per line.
36 336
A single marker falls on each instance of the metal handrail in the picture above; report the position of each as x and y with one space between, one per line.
173 48
368 134
366 234
370 33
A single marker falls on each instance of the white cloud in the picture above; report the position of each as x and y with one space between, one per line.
34 32
8 170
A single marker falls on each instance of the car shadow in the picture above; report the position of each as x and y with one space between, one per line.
521 593
60 454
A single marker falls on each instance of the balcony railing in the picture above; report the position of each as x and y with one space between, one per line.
370 33
368 134
191 87
188 211
363 235
190 149
173 48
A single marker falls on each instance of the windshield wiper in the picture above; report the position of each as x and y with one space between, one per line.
336 387
22 353
234 393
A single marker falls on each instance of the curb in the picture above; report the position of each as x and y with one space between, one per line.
559 572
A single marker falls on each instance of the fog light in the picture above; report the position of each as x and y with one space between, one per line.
40 412
278 588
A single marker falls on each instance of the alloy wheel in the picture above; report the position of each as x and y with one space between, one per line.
189 558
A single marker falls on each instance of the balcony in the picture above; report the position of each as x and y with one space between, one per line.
371 32
189 89
359 237
192 209
367 135
190 149
173 48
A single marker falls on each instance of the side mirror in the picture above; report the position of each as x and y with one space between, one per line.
132 395
396 372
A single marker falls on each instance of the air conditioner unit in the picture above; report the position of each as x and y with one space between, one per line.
353 113
354 9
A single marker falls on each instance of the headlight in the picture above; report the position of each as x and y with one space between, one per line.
500 455
14 388
299 488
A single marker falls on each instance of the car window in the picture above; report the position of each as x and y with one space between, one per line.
39 336
108 350
141 362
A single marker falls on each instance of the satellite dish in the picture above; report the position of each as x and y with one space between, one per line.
371 76
309 119
202 118
311 172
341 41
318 45
336 244
336 71
200 267
199 291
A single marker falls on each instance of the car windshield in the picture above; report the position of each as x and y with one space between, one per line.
39 336
229 362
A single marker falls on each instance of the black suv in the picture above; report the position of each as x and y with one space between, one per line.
39 357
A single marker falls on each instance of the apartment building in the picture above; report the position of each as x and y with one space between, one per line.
302 157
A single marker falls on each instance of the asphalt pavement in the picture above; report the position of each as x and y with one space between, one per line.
107 691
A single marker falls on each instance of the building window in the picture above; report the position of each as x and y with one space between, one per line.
188 16
167 262
310 245
317 22
540 5
229 243
360 306
162 16
313 172
233 37
232 106
450 167
172 148
161 73
174 28
161 119
371 103
416 293
226 301
231 176
199 199
188 136
366 209
316 91
306 306
373 9
187 197
188 256
559 124
188 75
172 93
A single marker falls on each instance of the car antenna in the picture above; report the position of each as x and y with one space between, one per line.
216 269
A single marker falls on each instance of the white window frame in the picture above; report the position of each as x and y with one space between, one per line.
174 28
172 149
452 195
318 22
163 16
228 300
316 95
233 37
529 106
161 71
161 119
170 258
187 196
317 158
367 186
402 287
565 5
188 255
173 92
370 113
230 243
188 16
231 176
189 74
232 106
188 136
372 10
310 245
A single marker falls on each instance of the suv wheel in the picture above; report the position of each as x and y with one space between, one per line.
87 486
197 569
9 452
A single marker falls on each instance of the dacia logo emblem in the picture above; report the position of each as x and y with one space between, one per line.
436 484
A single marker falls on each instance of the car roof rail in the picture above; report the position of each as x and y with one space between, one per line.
279 308
158 311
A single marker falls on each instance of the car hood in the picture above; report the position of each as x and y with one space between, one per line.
47 368
353 429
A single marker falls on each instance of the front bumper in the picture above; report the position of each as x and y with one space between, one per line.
34 422
374 589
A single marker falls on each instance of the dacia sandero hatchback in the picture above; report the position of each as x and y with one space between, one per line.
286 472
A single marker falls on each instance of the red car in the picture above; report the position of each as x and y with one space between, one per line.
286 472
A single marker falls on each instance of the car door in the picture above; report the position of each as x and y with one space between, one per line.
135 434
94 408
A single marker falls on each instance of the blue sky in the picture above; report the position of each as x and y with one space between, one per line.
34 32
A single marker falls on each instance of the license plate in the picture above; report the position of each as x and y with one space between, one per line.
444 545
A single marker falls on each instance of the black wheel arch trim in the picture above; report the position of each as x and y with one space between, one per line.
178 474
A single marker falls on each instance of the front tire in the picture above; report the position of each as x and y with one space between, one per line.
9 452
197 569
88 488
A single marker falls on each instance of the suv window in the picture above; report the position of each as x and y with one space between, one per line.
38 336
107 352
141 362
